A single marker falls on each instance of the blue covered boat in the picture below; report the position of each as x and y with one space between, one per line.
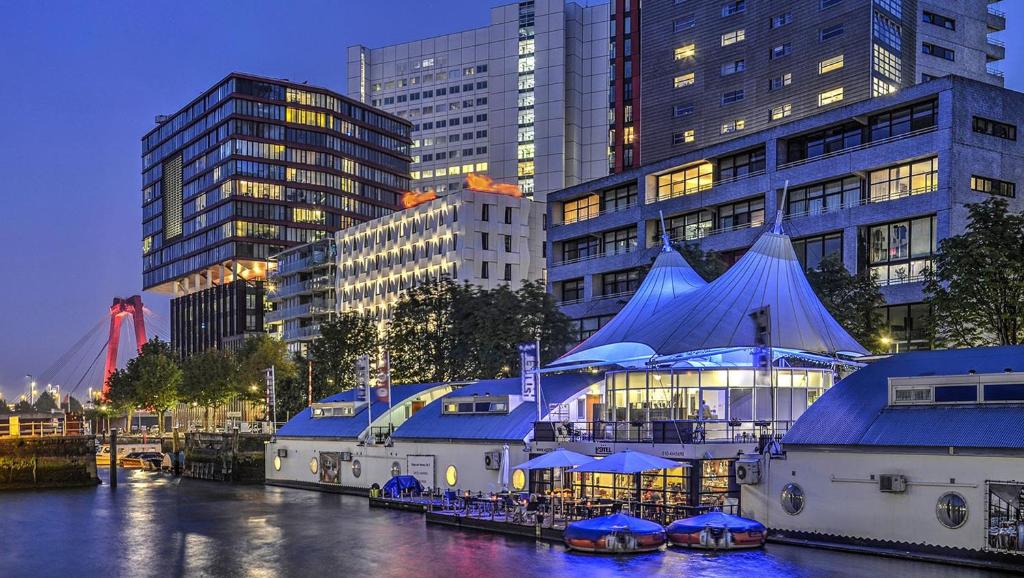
614 534
717 531
402 486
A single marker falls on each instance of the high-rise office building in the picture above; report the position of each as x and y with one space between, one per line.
523 100
624 86
250 167
712 70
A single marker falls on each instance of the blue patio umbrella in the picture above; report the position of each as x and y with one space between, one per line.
628 462
560 458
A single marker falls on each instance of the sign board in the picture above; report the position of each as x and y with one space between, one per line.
362 377
234 414
528 361
422 468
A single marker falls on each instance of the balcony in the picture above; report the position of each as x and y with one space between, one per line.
299 333
593 215
996 20
871 199
297 265
859 147
657 196
703 230
599 255
315 285
305 310
672 432
995 50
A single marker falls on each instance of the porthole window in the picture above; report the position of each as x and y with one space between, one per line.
518 480
451 475
277 463
951 510
357 468
396 469
792 499
314 465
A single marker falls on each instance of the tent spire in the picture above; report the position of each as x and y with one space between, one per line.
666 243
777 229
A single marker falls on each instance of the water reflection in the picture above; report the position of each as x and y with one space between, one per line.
153 525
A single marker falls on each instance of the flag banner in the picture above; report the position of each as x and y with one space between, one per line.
529 362
384 379
362 378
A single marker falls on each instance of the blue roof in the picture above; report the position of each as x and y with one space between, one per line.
855 411
428 423
303 425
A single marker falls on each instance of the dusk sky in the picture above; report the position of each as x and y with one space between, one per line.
81 84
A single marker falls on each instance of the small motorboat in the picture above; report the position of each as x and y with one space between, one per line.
615 534
717 531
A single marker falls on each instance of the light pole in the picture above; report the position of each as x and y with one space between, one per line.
31 388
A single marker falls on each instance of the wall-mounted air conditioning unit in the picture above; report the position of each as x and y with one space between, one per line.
492 460
748 471
892 483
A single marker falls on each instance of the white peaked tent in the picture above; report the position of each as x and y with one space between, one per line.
621 339
718 315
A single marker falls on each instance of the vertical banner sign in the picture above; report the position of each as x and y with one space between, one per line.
384 379
528 362
362 377
271 395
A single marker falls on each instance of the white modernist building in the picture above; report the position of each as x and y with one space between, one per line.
485 239
523 99
919 451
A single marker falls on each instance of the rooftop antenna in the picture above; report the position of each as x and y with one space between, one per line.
777 229
666 243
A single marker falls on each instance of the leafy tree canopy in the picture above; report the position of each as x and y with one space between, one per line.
258 353
45 402
342 340
852 300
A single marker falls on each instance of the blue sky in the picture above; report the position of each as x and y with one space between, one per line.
81 84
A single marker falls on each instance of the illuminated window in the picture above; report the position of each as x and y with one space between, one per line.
733 126
314 465
880 87
733 37
628 135
781 111
277 463
687 51
830 64
830 96
451 475
683 80
887 63
526 169
683 137
686 181
518 480
481 167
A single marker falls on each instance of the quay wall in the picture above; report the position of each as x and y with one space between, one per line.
28 463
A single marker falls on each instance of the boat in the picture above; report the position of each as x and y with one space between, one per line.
717 531
615 534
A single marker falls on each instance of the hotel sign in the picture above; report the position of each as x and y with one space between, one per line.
529 361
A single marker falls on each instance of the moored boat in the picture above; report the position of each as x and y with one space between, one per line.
717 531
615 534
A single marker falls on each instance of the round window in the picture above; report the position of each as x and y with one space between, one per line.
357 468
314 465
951 510
277 463
396 469
451 475
518 480
792 499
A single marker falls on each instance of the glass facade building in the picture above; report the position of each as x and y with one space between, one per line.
250 168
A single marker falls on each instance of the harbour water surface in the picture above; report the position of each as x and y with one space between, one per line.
153 525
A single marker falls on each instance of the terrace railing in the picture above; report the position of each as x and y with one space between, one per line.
661 432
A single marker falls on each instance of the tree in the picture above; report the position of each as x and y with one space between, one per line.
75 406
342 340
852 300
976 285
23 406
708 265
422 334
45 403
257 354
121 394
155 378
209 379
542 319
292 394
4 408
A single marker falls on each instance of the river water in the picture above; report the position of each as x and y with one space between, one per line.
153 525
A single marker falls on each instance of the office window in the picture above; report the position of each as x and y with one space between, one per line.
572 290
824 197
619 241
733 126
748 213
485 270
906 327
824 142
581 248
688 227
681 110
782 20
733 37
683 80
939 20
811 251
619 198
734 67
507 239
508 215
938 51
741 164
880 87
485 212
780 112
887 63
829 3
581 209
620 282
904 180
902 251
830 96
684 23
735 7
732 96
995 128
685 51
780 81
895 7
903 120
993 186
683 137
686 181
780 51
830 32
508 272
887 31
830 64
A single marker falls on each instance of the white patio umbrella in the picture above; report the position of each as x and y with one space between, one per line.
504 467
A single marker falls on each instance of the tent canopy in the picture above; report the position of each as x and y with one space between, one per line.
716 520
629 462
560 458
596 528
